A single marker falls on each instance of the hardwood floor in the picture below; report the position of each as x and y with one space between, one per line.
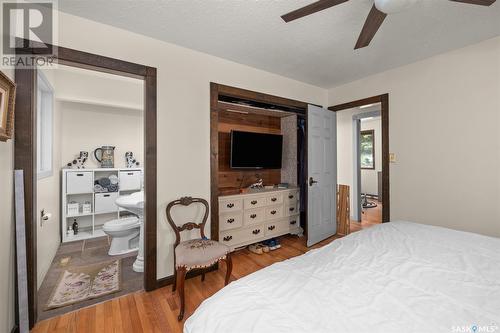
373 215
85 253
157 311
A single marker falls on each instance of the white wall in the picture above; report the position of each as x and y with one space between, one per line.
445 131
99 109
183 107
369 178
345 162
7 237
101 89
48 191
86 127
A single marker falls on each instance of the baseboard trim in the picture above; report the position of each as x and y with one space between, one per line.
168 280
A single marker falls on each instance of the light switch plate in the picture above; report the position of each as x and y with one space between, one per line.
392 157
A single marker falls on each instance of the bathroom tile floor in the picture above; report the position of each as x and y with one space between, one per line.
76 254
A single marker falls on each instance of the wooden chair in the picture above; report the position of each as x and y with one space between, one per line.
200 253
343 210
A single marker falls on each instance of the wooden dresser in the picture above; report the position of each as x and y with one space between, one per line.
258 215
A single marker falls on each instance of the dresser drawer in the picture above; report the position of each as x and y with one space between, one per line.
253 234
293 222
277 227
240 236
79 182
274 212
105 202
291 196
254 216
230 237
274 199
230 221
254 202
230 205
291 209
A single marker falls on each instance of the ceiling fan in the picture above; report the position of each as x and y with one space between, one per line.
377 15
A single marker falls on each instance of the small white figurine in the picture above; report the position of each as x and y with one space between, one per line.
79 162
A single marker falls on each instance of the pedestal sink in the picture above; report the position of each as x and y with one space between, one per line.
134 203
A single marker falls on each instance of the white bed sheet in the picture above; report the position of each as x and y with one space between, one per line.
395 277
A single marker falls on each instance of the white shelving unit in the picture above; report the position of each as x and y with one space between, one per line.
78 186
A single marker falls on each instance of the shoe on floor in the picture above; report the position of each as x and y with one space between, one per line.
277 242
255 248
264 248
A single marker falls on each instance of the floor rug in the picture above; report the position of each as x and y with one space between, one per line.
86 282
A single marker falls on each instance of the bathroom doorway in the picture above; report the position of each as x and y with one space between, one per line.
87 144
90 155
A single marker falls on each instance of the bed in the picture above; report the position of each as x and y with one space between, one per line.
395 277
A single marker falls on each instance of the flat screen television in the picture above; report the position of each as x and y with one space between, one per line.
256 150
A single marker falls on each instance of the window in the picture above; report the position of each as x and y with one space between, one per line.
45 106
367 149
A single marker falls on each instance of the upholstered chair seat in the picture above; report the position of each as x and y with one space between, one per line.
199 253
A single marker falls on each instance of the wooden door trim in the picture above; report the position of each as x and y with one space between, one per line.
217 90
384 101
25 152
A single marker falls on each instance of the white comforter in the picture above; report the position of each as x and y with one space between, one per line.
396 277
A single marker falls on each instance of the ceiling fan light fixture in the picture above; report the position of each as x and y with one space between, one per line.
393 6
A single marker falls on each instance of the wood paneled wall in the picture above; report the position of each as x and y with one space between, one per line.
231 180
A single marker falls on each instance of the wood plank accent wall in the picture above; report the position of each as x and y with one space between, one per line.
231 180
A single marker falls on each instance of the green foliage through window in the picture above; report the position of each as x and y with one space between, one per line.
367 149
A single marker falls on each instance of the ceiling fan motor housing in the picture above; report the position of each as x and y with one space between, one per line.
393 6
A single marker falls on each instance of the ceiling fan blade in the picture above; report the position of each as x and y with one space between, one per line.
311 9
370 28
477 2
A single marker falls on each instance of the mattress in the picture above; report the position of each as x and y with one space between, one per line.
395 277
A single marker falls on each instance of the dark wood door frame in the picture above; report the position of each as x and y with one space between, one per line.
217 90
384 101
25 152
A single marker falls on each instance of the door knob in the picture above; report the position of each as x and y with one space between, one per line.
312 181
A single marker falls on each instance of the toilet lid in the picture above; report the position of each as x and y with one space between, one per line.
121 224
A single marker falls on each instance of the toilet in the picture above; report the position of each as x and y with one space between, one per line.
124 235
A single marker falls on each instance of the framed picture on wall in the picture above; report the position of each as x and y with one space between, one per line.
367 149
7 100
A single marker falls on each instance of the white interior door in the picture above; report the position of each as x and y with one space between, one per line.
321 174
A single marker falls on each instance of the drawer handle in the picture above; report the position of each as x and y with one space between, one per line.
227 238
230 221
271 227
253 202
273 212
230 205
291 209
79 174
290 196
293 222
106 195
253 216
273 199
130 173
256 231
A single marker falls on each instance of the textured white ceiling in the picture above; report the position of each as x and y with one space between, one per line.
317 49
